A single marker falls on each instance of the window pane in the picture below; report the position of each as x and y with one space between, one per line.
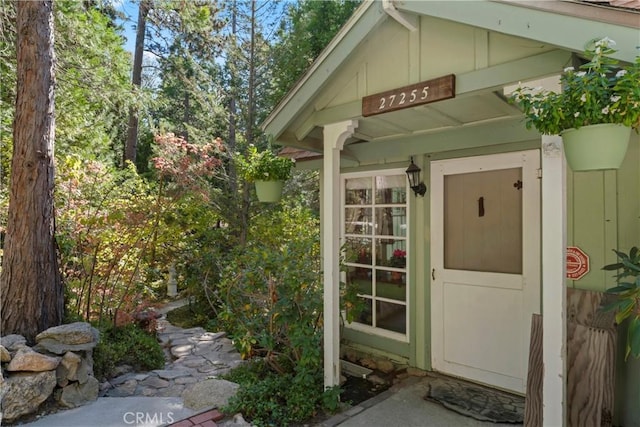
361 278
391 189
391 284
391 221
391 316
358 191
391 253
366 315
358 250
483 221
358 221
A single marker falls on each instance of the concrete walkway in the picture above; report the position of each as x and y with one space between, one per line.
118 412
404 405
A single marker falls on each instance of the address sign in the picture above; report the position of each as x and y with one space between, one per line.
410 96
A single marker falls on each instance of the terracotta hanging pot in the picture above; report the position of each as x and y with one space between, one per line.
596 147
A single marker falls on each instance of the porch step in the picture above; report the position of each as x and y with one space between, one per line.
354 370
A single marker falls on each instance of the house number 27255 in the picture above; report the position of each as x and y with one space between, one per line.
402 98
409 96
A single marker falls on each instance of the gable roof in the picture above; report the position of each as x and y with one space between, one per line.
561 24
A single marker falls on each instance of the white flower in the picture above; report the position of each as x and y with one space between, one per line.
615 98
621 73
583 98
605 110
581 73
576 114
605 42
566 70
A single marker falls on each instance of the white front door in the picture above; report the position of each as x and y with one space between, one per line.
485 255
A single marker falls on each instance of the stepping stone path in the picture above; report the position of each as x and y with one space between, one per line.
193 355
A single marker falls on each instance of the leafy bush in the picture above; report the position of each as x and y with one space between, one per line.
271 304
109 238
270 293
128 345
268 398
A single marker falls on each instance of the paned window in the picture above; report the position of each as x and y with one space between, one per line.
375 241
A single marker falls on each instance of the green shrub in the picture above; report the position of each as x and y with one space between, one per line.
268 398
271 304
128 345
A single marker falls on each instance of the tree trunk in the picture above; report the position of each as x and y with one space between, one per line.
131 145
30 283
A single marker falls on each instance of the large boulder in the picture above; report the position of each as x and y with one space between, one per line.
22 393
26 359
4 355
77 394
13 342
209 393
78 336
68 368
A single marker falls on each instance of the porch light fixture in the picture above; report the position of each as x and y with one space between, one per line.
413 173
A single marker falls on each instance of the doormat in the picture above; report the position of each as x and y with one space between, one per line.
475 401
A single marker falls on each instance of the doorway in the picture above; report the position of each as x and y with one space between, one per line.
485 249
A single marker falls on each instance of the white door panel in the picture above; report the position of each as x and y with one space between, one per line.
485 222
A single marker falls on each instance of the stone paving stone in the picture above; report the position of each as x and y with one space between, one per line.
181 350
185 380
192 363
170 374
155 382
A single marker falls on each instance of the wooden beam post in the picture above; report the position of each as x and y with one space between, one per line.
335 135
554 243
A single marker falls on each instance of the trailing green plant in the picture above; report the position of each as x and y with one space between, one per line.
126 345
627 305
263 165
597 93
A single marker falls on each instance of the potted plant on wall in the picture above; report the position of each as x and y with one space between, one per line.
267 171
594 113
627 304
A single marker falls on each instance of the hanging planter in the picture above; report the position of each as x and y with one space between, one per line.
594 112
269 191
267 171
596 147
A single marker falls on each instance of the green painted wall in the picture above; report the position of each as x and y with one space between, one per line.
604 214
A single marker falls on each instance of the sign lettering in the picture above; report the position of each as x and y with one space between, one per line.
410 96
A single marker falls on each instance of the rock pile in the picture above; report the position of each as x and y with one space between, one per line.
60 364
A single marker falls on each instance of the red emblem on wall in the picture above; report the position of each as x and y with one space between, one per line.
577 263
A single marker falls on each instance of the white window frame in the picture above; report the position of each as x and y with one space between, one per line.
356 326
